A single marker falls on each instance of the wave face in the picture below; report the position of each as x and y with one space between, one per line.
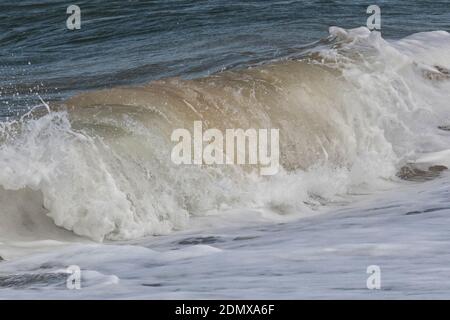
350 113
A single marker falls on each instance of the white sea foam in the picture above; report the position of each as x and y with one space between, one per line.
322 256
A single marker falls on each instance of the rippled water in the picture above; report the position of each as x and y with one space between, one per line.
138 41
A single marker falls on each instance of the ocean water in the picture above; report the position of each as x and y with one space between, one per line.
86 178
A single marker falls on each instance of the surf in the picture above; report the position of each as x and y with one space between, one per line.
350 114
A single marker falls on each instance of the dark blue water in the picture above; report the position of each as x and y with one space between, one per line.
129 42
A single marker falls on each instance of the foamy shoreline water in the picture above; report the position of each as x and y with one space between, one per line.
404 232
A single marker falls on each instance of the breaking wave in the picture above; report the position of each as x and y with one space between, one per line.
351 112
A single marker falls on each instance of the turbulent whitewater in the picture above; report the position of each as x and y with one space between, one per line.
352 110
